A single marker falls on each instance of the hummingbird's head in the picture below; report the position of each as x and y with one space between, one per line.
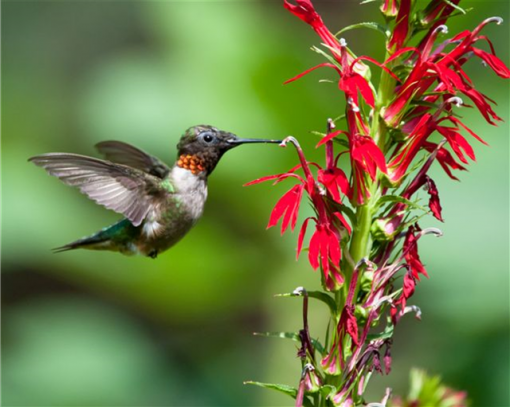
204 145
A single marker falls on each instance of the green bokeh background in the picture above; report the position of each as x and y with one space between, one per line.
99 329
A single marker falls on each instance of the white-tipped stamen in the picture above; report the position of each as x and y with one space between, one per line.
431 231
496 19
455 100
354 107
331 124
289 139
299 291
413 308
387 395
441 29
342 41
382 300
307 368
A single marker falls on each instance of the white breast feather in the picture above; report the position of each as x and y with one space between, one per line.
193 190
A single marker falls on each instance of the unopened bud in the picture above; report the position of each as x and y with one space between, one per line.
313 382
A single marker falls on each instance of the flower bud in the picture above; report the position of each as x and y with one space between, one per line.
382 230
313 382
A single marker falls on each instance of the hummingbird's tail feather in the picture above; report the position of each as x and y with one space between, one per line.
117 237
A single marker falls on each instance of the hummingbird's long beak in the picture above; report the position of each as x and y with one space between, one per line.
237 141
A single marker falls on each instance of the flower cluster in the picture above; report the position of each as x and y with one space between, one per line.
366 232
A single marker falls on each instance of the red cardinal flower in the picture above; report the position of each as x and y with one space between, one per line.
446 69
325 242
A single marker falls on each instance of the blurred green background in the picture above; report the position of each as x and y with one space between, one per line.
100 329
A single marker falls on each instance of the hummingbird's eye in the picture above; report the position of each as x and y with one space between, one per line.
208 137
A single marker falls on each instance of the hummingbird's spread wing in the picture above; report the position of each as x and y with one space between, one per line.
123 153
125 190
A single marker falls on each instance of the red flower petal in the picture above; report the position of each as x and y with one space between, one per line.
324 64
313 252
411 255
330 136
434 204
301 236
493 61
287 205
402 24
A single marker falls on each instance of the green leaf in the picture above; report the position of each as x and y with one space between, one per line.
371 25
318 133
282 388
326 55
398 199
318 295
458 8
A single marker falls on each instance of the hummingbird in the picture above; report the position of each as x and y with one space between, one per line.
160 204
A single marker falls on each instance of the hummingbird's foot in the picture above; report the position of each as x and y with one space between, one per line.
153 254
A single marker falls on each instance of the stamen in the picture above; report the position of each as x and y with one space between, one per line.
413 308
441 29
299 291
431 231
343 43
455 100
496 19
289 139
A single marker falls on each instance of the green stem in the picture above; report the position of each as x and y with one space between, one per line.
386 88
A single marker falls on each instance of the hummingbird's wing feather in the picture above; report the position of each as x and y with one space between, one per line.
125 190
123 153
